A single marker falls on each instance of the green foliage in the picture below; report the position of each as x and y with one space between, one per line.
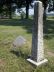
25 3
0 9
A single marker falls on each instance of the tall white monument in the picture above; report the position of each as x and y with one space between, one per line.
37 54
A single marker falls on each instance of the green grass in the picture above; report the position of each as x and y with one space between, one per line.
10 60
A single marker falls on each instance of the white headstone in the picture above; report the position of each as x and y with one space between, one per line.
19 41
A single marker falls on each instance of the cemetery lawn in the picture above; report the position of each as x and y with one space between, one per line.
10 59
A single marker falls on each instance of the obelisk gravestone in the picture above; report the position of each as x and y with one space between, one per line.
37 56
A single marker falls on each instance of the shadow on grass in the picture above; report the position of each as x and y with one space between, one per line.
27 24
49 29
20 54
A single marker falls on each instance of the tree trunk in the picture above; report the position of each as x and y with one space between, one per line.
10 15
44 16
10 12
45 6
53 5
27 10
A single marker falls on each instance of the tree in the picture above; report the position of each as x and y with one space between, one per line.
8 3
1 7
28 2
53 5
25 3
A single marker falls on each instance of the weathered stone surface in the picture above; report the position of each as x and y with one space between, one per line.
37 56
37 37
19 41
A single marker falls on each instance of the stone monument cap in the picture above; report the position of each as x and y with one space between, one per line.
38 2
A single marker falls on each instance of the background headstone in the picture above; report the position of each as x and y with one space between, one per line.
19 41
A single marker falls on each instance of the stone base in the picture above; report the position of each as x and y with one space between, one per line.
37 63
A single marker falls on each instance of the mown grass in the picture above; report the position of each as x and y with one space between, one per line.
10 59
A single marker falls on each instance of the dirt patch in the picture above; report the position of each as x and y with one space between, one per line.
2 62
50 53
